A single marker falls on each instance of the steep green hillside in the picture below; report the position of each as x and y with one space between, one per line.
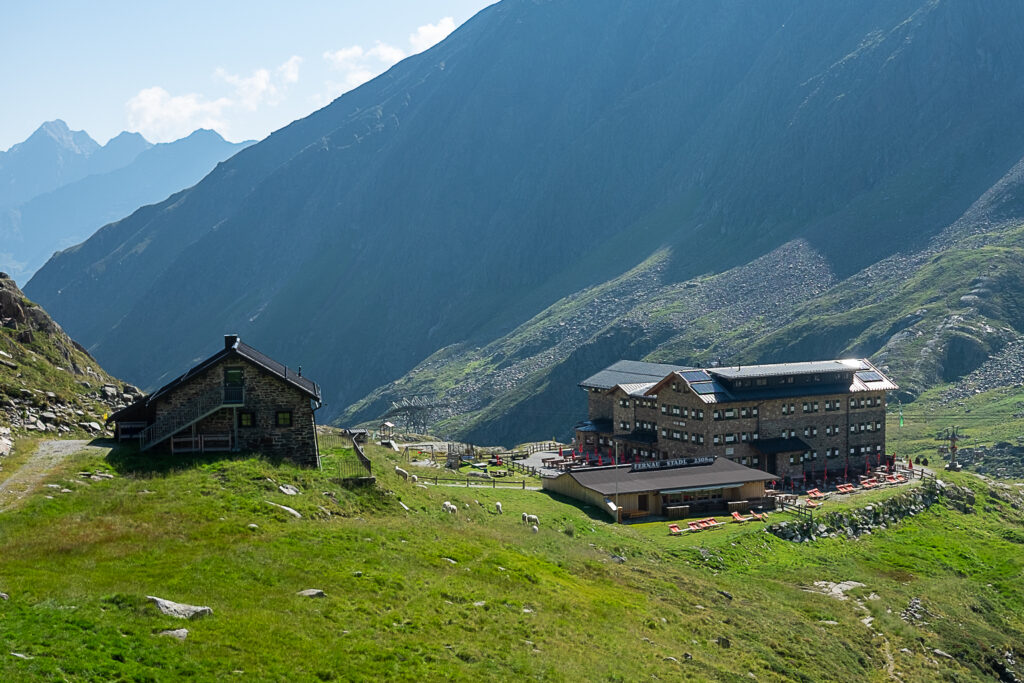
421 594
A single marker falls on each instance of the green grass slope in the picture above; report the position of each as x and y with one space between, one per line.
422 595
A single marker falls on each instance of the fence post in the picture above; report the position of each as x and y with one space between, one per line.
524 484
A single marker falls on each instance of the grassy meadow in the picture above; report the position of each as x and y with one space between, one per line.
423 595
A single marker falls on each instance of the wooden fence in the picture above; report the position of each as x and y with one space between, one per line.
477 481
352 462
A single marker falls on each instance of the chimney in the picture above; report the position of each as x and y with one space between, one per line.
230 340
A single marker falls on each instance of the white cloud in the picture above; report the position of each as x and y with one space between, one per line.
358 64
162 117
428 35
289 71
250 91
262 86
386 54
345 57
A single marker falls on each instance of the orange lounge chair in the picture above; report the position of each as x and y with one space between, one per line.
759 517
695 526
844 488
674 529
891 479
900 478
815 494
869 483
737 517
812 504
710 523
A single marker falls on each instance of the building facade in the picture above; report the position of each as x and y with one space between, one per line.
237 400
794 420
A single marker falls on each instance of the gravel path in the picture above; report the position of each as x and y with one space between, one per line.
48 455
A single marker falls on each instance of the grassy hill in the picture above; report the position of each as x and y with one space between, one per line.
420 594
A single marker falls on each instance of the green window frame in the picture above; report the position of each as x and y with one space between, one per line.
247 419
283 418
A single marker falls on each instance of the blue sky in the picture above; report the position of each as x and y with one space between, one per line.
242 68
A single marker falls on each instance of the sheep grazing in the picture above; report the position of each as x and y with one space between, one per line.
534 528
415 478
532 519
448 507
497 506
524 518
402 473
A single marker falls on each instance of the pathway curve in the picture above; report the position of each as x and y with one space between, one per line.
48 455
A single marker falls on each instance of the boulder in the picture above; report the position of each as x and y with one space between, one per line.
312 593
179 633
178 609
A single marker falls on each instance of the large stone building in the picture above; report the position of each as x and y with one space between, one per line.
236 400
789 419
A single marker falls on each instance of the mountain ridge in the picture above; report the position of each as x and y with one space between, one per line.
546 148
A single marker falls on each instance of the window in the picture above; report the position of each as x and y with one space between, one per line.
233 376
761 382
729 451
716 415
675 410
664 409
730 413
246 419
284 418
716 439
698 415
730 438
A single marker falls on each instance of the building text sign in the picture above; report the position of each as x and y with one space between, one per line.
668 464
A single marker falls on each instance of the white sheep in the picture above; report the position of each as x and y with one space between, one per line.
497 506
448 507
532 519
415 479
524 518
534 528
402 473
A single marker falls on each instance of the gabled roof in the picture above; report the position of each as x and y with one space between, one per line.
637 389
234 346
629 372
815 367
710 385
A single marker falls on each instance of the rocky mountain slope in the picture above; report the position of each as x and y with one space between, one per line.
69 213
48 382
686 168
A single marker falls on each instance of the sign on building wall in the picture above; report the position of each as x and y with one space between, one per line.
670 464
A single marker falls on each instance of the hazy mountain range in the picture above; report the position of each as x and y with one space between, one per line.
59 186
563 183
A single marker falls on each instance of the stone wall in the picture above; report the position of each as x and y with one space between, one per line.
265 395
875 517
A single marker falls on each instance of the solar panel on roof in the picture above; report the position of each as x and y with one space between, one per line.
695 376
870 377
704 387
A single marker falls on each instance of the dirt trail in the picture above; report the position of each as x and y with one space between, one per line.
48 455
